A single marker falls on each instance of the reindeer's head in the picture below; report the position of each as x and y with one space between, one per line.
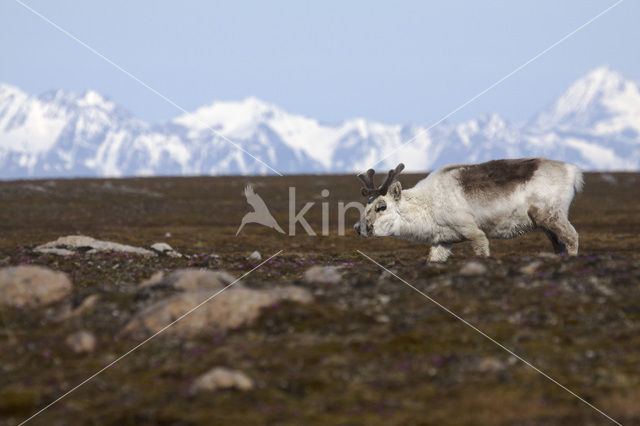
380 214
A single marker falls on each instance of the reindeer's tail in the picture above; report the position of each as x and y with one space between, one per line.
578 179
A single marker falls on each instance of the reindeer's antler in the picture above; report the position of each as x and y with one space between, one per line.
367 180
370 189
390 178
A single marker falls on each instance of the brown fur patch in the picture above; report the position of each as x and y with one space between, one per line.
453 167
496 177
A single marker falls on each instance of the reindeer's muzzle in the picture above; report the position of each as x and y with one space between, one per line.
363 233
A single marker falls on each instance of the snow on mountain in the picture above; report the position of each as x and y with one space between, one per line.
601 103
252 119
595 124
27 124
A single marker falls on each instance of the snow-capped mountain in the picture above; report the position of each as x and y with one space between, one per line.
595 124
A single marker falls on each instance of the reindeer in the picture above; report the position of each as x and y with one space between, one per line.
456 203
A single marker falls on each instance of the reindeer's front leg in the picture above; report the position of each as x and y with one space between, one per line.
439 253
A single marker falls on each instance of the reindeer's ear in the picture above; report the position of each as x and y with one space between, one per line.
395 189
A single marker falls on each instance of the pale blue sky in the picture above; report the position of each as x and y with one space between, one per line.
394 62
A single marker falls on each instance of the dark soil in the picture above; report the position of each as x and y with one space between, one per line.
369 350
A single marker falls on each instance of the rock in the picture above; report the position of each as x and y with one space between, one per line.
472 268
56 251
81 342
192 280
383 319
384 299
92 245
490 365
166 249
531 268
153 280
221 378
547 255
87 304
32 286
294 294
601 286
255 256
323 275
230 309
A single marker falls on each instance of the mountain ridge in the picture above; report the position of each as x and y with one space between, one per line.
595 124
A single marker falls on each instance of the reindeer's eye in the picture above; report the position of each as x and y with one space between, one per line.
381 206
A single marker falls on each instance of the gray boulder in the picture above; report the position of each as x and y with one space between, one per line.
323 275
192 280
32 286
230 309
65 245
221 378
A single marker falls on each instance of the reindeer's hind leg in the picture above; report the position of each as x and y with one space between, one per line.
558 247
439 253
555 224
566 233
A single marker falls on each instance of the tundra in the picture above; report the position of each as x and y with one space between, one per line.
475 202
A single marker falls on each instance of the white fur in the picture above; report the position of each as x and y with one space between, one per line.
438 212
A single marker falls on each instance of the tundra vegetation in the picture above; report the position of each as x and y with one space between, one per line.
347 345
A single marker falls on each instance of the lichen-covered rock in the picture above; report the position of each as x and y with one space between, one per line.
91 245
166 249
255 256
230 309
323 275
222 378
531 268
294 294
32 286
192 280
56 251
81 342
473 268
490 365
